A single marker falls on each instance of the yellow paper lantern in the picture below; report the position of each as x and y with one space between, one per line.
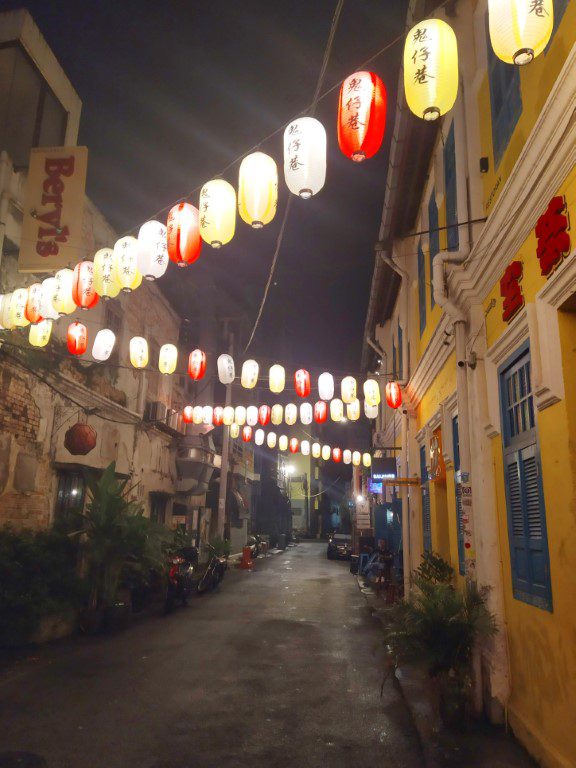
228 417
17 311
39 333
283 443
125 259
356 458
277 378
167 359
431 69
217 212
271 439
348 389
372 392
353 410
520 29
63 300
257 189
197 415
290 414
5 311
336 409
367 459
234 430
277 414
249 376
138 352
316 450
105 281
240 415
326 452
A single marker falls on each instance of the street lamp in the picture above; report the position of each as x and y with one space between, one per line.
359 498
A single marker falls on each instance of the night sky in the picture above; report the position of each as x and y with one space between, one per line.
174 91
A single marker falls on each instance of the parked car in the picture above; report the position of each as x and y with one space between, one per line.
339 546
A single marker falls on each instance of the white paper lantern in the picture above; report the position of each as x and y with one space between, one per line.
326 386
367 459
138 352
125 259
316 450
249 376
259 437
39 333
217 209
103 344
257 189
228 417
63 300
105 281
271 439
290 414
240 415
306 413
197 415
348 389
152 258
326 452
277 378
5 311
207 415
234 430
305 448
336 409
372 392
305 156
283 443
167 359
226 369
47 308
370 411
353 410
520 29
347 456
252 415
277 414
356 458
17 311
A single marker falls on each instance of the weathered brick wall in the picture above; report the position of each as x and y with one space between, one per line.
19 414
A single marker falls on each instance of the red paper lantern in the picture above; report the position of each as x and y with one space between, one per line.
218 416
187 414
337 454
83 290
77 338
32 310
293 445
361 115
264 415
302 383
197 364
183 227
393 394
247 434
80 439
320 412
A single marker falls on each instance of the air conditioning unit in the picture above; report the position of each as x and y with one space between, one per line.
155 411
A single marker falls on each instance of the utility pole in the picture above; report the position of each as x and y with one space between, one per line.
221 521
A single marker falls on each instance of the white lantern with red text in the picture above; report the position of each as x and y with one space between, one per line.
226 369
271 439
259 437
152 258
277 414
306 413
138 352
277 378
257 189
348 389
290 414
305 156
252 415
39 333
336 409
249 377
103 345
316 450
217 212
167 359
283 443
240 415
326 386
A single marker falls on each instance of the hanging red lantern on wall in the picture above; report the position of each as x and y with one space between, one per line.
361 115
83 289
77 338
218 416
184 241
80 439
187 414
393 394
197 364
247 434
293 445
264 415
320 412
337 454
302 383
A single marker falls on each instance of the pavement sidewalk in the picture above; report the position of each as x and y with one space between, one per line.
481 745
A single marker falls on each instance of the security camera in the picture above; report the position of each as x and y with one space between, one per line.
405 411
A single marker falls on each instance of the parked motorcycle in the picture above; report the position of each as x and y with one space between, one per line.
255 544
214 572
180 581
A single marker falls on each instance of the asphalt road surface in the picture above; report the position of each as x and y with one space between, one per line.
281 667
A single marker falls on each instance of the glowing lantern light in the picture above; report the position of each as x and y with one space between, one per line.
277 379
249 376
247 434
277 414
47 308
106 283
197 415
17 311
347 456
302 383
2 304
348 389
39 333
103 344
252 415
83 290
372 392
226 369
325 386
367 459
218 416
183 234
217 212
197 364
207 415
336 409
320 412
228 415
393 394
326 452
125 257
187 414
240 415
234 431
32 310
337 455
271 439
259 437
77 338
138 352
283 443
167 359
290 414
264 415
305 156
520 30
370 411
306 413
361 115
152 260
294 445
316 450
305 448
257 189
356 458
431 69
353 410
63 300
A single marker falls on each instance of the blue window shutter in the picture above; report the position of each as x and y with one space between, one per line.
421 288
450 186
458 488
433 237
425 496
400 355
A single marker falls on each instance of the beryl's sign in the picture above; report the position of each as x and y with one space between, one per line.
53 211
383 468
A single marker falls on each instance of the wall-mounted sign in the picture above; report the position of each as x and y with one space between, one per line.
552 234
374 486
402 481
383 468
52 226
511 290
